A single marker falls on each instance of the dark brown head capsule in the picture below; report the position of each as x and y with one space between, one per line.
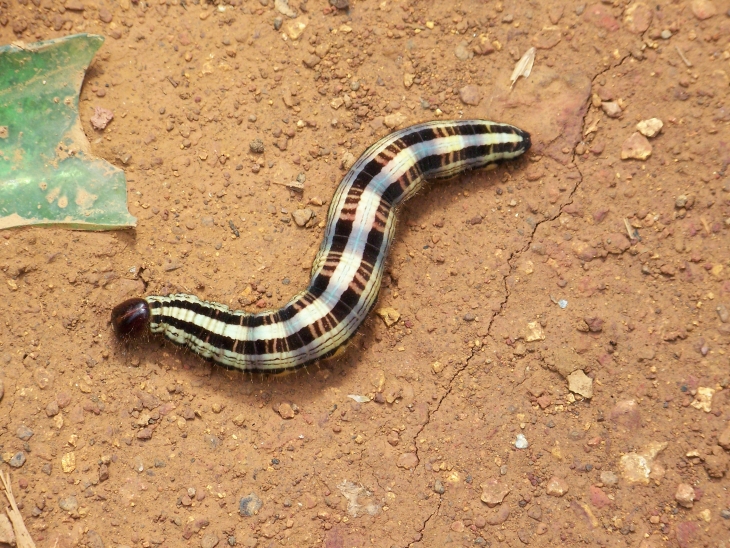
131 317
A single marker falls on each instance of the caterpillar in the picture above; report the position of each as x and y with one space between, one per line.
348 268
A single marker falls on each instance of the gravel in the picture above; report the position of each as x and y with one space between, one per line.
17 460
24 433
257 146
249 505
521 442
210 540
556 487
470 95
302 216
68 504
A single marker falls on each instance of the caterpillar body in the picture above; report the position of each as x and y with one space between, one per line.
348 268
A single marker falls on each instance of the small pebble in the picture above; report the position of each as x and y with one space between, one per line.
556 487
24 433
666 34
470 95
598 498
52 409
249 505
438 487
311 61
105 15
68 504
101 118
493 492
17 460
576 435
462 51
282 6
257 146
210 540
685 495
42 378
501 516
394 120
294 29
302 216
286 411
636 147
521 442
94 540
650 128
638 17
612 109
703 9
347 161
721 310
580 383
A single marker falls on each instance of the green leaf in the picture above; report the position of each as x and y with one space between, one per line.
47 173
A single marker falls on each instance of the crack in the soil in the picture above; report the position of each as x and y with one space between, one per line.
514 255
363 462
428 519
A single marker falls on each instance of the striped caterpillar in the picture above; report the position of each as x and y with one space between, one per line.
348 268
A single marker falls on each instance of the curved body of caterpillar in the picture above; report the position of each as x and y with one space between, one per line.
349 266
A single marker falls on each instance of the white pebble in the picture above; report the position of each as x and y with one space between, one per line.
521 442
650 128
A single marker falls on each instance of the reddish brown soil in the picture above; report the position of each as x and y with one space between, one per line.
166 446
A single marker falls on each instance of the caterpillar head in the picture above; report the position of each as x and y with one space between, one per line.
131 317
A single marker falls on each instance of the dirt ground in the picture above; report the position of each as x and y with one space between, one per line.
572 302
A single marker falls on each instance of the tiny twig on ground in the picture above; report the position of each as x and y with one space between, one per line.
22 536
682 56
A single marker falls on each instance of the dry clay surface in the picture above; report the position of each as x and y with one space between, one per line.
558 373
